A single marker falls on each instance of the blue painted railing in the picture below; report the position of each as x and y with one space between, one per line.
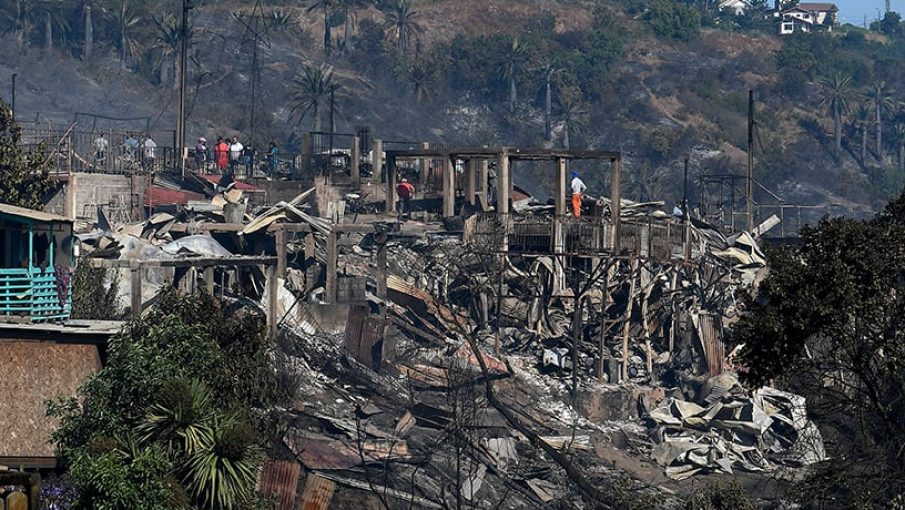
35 293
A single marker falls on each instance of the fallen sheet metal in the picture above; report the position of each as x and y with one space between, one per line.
280 477
201 245
749 433
318 493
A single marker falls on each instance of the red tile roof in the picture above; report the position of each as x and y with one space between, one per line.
156 195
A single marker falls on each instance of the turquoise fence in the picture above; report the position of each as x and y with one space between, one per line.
35 293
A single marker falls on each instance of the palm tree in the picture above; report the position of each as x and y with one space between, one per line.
124 17
511 65
89 30
573 113
326 5
837 92
549 68
349 9
402 25
881 96
222 473
169 41
310 93
421 74
899 132
862 125
50 14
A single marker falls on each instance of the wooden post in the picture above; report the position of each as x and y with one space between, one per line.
628 319
449 186
356 160
332 260
601 348
382 267
503 181
273 283
209 279
279 240
136 291
644 331
561 186
391 186
306 151
425 166
471 167
310 261
616 203
377 157
484 184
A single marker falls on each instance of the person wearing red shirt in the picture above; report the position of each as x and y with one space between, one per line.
221 154
406 191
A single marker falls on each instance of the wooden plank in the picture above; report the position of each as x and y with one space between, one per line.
331 269
627 320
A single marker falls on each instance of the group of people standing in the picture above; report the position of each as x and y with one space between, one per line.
132 150
227 156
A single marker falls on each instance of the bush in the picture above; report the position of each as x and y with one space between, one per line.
674 20
128 441
91 298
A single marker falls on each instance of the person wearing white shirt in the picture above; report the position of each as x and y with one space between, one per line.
578 188
235 152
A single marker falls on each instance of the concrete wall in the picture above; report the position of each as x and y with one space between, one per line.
281 191
120 195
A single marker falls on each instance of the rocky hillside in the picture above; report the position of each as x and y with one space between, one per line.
655 79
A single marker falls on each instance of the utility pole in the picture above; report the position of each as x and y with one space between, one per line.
187 5
13 105
749 192
256 32
686 218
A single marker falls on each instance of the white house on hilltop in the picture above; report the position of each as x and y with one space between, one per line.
808 17
738 7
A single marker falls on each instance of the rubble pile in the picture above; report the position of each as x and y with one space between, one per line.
459 373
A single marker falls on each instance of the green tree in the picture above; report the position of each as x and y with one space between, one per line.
310 93
24 176
674 20
512 65
402 25
828 322
836 95
422 74
91 298
141 397
881 97
124 17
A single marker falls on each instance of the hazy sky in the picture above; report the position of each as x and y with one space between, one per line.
854 11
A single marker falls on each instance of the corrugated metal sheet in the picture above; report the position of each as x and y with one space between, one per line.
712 340
156 195
280 477
318 493
363 336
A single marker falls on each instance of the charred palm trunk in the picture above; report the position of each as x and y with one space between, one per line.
879 132
89 33
864 128
548 109
513 94
837 128
48 32
565 135
326 27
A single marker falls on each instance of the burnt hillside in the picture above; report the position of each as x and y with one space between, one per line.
659 80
